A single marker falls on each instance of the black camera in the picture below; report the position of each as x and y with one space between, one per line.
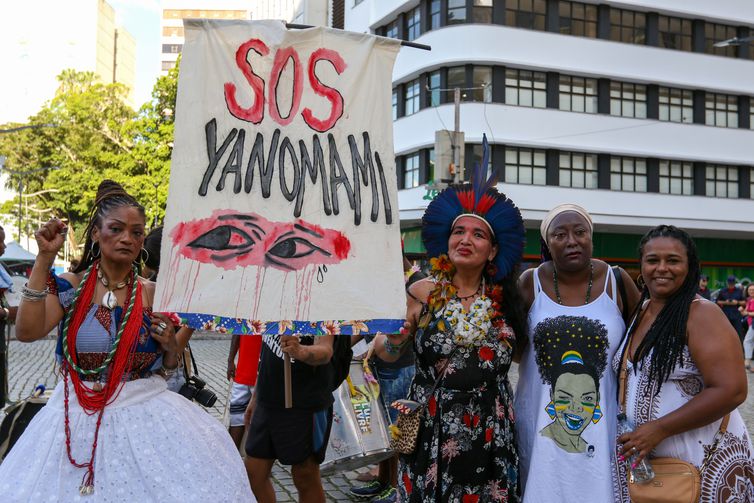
195 390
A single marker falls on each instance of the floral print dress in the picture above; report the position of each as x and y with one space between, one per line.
466 450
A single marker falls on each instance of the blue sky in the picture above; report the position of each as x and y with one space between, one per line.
142 20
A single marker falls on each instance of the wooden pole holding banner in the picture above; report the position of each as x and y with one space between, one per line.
287 380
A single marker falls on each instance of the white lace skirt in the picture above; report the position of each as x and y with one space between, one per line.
154 445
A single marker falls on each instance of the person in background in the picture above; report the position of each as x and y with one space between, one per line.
394 379
7 313
730 299
703 289
748 312
73 264
294 436
244 376
684 375
150 268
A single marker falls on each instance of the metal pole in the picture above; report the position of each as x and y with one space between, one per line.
20 192
457 129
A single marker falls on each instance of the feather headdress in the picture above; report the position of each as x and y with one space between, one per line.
481 199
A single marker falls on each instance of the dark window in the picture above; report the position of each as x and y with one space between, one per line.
525 88
578 19
482 84
577 170
676 177
171 48
627 26
676 105
721 110
395 104
675 33
628 174
456 78
411 171
628 100
413 24
482 11
434 14
721 181
431 164
391 30
433 83
456 11
717 33
477 153
578 94
412 103
526 14
525 165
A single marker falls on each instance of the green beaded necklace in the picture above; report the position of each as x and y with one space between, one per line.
119 334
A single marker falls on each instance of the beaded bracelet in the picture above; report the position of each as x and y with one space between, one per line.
391 348
33 295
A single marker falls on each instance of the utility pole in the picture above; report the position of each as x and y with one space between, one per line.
457 176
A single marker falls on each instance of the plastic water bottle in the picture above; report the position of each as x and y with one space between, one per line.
642 472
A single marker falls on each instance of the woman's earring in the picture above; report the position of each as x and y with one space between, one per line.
144 254
597 414
95 255
550 410
491 269
640 282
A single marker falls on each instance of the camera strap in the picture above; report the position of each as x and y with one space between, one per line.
193 363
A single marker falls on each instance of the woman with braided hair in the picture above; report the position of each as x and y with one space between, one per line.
684 374
111 431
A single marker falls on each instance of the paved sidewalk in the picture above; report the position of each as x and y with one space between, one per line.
32 364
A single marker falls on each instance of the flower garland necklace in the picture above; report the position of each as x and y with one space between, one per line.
468 327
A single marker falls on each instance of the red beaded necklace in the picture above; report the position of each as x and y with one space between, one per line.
93 401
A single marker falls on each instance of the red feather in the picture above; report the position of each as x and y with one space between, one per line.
485 203
466 198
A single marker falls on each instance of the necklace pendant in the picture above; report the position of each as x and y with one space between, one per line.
109 300
97 386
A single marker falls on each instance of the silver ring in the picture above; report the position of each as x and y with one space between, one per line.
633 449
159 330
162 325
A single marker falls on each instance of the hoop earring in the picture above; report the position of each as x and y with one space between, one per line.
144 252
95 255
640 282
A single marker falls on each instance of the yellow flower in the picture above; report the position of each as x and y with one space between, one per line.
284 325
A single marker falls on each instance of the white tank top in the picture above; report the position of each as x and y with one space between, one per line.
565 428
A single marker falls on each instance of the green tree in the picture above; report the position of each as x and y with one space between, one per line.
97 136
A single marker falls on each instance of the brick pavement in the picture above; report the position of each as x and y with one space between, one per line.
32 364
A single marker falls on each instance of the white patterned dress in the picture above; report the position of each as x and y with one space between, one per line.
729 477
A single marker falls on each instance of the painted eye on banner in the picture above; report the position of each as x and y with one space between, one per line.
229 239
224 237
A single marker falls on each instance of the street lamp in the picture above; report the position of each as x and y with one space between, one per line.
21 175
734 41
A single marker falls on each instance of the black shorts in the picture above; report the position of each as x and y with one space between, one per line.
289 435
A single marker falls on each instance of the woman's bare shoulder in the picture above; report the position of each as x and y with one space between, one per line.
421 289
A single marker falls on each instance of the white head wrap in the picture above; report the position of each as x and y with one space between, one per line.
562 208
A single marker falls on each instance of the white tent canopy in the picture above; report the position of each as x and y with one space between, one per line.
15 253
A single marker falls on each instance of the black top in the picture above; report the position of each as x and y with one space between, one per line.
310 385
705 293
731 312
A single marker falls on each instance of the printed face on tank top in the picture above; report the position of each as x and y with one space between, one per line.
571 356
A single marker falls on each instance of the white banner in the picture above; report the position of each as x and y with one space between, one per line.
282 214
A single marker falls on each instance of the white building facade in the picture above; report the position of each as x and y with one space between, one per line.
623 107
